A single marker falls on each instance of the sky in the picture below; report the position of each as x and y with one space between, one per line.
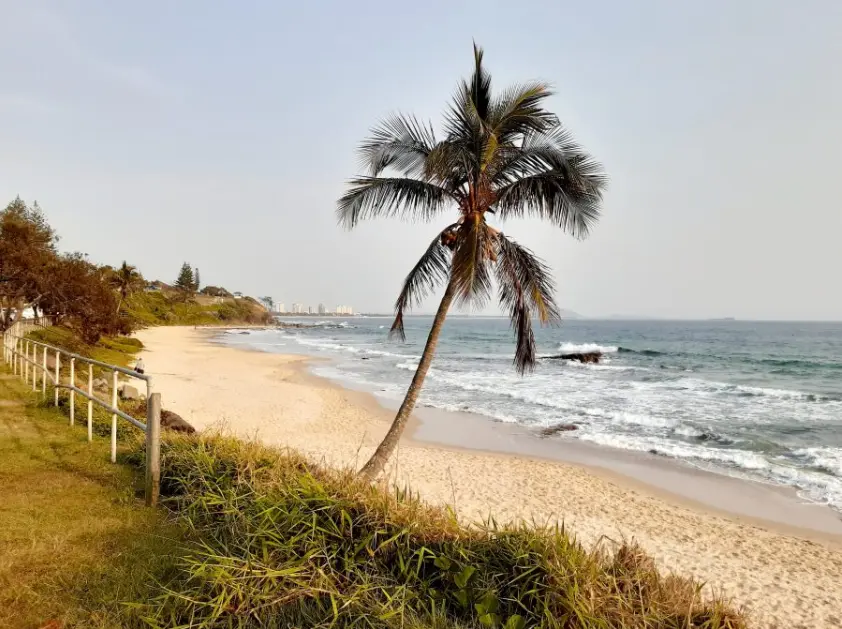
222 133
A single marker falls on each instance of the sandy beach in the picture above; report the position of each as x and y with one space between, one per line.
785 577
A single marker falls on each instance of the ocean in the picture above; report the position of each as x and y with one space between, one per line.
757 400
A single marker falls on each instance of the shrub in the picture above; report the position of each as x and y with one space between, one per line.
280 542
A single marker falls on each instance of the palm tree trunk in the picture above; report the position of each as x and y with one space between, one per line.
378 460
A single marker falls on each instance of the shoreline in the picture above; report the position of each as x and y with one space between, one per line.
787 576
743 500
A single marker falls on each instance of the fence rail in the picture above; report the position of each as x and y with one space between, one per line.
22 354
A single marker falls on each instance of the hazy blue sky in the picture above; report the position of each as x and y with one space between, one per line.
221 133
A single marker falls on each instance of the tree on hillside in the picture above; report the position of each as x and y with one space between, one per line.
27 248
215 291
77 296
126 280
504 156
185 278
268 302
197 283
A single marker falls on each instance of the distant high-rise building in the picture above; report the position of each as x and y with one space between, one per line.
322 309
297 308
279 307
344 310
310 310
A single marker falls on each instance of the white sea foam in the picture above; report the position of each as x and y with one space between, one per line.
574 348
626 417
829 459
687 431
624 402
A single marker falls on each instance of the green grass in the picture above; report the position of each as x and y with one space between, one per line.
75 543
161 308
119 350
284 543
274 541
112 350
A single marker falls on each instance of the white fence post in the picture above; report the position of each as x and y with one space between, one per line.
153 447
72 392
34 367
90 402
16 349
58 363
114 417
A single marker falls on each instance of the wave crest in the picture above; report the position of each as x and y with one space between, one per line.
585 348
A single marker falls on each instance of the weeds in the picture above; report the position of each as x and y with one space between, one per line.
280 542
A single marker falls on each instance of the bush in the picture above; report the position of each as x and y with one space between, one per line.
284 543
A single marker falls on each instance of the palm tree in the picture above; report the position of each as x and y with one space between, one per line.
502 155
126 280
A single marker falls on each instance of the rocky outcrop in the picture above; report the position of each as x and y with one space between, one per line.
582 357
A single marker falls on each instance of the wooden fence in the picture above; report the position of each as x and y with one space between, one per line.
28 358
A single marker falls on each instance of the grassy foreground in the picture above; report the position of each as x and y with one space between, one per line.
74 542
258 537
284 543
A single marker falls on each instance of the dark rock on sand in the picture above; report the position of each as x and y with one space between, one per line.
174 422
554 430
169 420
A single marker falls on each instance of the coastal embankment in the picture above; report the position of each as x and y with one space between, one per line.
785 575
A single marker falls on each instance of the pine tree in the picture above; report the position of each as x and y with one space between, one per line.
185 278
197 284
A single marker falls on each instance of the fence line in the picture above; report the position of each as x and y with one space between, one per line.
22 354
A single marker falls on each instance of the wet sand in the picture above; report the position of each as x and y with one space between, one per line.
757 543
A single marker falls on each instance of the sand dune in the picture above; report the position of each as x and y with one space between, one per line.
785 581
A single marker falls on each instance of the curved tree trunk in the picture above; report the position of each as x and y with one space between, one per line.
378 460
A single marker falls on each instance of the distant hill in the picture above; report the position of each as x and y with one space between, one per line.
569 314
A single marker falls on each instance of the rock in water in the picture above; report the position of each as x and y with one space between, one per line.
582 357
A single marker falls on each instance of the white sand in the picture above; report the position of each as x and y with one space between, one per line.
785 581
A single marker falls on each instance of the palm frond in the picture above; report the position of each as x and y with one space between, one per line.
525 286
400 142
536 153
565 188
466 121
472 256
449 164
430 271
480 87
519 111
532 274
373 197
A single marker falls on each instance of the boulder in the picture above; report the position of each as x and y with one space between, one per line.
101 384
554 430
582 357
172 421
128 392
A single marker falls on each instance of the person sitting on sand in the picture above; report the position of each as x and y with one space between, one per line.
139 367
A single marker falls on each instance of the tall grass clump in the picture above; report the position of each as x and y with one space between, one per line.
280 542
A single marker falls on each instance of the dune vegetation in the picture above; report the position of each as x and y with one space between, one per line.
253 536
